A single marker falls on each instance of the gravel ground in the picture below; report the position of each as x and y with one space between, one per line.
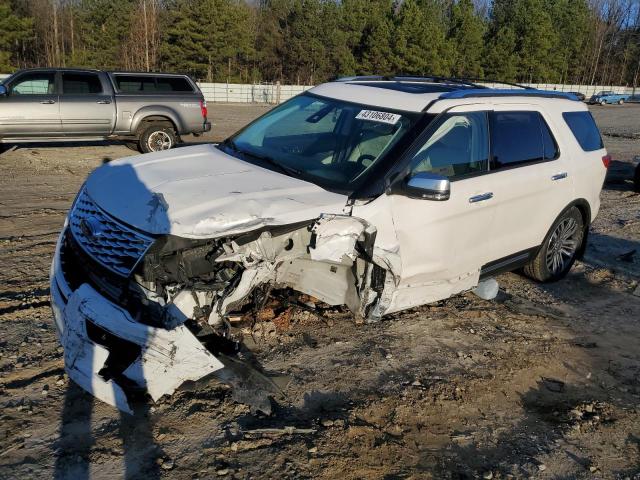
543 382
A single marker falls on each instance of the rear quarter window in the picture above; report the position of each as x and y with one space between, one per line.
584 128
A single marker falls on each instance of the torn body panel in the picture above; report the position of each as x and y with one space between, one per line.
143 335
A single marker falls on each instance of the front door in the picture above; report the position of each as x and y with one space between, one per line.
443 244
31 108
86 105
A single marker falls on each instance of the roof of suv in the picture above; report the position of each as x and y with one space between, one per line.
418 94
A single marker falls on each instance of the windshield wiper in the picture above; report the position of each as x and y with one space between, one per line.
265 158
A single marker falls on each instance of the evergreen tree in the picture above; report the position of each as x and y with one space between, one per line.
14 31
501 59
419 45
466 35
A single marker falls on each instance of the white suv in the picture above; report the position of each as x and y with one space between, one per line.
376 193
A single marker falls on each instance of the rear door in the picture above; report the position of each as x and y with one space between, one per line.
531 179
86 104
31 108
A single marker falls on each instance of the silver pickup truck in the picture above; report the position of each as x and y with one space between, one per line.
149 111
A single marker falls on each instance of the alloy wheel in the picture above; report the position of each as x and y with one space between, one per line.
159 141
562 245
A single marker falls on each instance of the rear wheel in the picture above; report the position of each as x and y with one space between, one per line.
559 250
157 137
621 101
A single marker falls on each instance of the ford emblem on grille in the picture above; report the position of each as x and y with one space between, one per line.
91 227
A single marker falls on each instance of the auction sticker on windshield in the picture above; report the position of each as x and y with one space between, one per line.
384 117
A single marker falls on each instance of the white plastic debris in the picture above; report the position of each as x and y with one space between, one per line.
487 289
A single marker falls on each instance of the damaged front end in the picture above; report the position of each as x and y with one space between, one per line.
142 315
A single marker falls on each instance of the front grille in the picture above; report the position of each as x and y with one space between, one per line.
109 242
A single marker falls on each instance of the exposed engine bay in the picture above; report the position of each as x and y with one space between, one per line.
201 290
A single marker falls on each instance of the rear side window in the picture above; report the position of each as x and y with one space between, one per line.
81 83
584 129
150 84
519 138
173 84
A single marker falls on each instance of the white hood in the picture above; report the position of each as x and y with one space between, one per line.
201 192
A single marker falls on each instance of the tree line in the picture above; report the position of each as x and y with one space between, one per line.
309 41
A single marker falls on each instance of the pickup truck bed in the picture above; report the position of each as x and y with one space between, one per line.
149 111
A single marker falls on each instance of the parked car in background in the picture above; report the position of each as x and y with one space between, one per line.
608 97
634 98
149 111
580 96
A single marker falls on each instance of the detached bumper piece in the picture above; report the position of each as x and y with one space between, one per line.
110 355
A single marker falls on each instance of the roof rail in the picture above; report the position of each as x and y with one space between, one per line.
467 81
496 92
410 78
489 80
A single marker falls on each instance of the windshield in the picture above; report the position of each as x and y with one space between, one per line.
329 142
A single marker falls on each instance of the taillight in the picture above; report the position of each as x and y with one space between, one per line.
606 161
203 109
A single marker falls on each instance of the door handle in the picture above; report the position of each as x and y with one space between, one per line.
559 176
104 102
48 102
481 198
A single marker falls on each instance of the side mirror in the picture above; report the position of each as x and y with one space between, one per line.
3 91
428 186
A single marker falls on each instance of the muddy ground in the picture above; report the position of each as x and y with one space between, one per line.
543 382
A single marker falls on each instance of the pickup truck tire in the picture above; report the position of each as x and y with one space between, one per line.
156 137
559 249
621 101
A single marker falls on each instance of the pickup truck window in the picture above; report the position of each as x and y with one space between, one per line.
150 84
37 83
81 83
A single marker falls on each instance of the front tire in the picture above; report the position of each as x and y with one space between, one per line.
157 137
559 249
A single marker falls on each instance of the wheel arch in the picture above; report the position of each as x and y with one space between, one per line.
148 115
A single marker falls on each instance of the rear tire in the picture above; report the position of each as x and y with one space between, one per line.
621 101
157 137
559 249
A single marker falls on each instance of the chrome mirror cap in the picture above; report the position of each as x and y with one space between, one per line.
428 186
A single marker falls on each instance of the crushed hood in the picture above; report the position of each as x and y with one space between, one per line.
201 192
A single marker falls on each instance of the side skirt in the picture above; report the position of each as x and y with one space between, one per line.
508 263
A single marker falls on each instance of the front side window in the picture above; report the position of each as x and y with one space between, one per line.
81 84
519 138
459 147
326 141
37 83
